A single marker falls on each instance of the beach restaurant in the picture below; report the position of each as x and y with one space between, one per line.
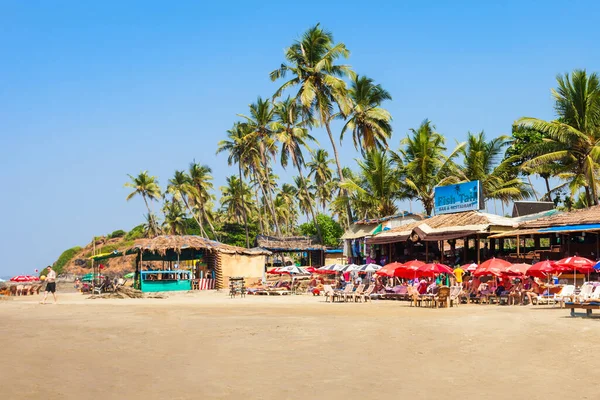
205 259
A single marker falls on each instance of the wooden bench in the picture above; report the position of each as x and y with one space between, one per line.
588 307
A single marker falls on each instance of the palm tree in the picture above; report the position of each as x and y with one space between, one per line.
368 122
311 61
377 187
146 186
572 140
181 188
174 223
261 136
238 151
483 163
151 226
424 165
286 198
201 180
306 195
236 199
293 136
321 174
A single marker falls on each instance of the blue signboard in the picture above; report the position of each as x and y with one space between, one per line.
457 198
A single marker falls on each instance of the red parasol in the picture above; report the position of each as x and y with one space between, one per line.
413 263
24 278
543 269
516 269
274 271
493 266
389 270
580 264
433 270
469 267
311 270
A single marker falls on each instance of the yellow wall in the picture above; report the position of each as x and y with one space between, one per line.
241 265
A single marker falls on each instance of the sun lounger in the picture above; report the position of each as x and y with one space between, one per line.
567 293
588 307
353 295
347 291
329 293
585 293
367 293
455 292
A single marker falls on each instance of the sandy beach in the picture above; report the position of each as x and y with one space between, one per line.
208 346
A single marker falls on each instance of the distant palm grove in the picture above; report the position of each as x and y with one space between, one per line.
313 88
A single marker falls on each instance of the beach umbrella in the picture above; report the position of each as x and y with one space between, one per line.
274 271
413 263
517 269
24 278
581 264
469 267
351 267
433 269
311 270
90 277
493 266
292 270
369 268
408 270
388 269
543 269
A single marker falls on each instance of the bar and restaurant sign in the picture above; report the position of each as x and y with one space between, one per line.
456 198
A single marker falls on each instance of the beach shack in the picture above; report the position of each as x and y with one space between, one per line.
306 248
187 262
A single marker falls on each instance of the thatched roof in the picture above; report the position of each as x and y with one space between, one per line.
576 217
162 244
376 221
444 227
291 243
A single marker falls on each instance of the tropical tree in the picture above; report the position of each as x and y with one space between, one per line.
573 139
286 205
261 136
236 199
151 226
146 186
377 188
306 196
239 153
483 162
322 175
181 188
312 63
201 180
424 165
175 218
369 123
293 136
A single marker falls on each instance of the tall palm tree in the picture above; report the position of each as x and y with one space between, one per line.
369 123
201 180
293 136
483 162
306 196
572 140
181 188
174 222
321 174
261 136
239 152
151 226
236 199
424 165
146 186
311 62
378 185
287 198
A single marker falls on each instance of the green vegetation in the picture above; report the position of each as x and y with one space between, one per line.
116 234
63 259
332 231
135 233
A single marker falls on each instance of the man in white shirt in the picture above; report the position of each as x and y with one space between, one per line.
50 284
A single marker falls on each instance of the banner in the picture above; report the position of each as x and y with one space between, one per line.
457 198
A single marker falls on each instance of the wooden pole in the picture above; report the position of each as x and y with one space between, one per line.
465 249
477 244
426 252
518 246
442 251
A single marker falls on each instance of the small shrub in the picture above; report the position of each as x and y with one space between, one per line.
116 234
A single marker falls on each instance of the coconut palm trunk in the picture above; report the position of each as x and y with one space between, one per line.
153 225
244 215
187 206
269 202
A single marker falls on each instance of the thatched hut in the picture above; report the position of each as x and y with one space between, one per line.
315 252
205 254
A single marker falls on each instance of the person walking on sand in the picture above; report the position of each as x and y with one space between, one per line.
50 285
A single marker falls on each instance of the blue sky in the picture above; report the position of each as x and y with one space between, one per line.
92 91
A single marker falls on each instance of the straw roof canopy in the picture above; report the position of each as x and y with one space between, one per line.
291 243
445 227
161 244
576 217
